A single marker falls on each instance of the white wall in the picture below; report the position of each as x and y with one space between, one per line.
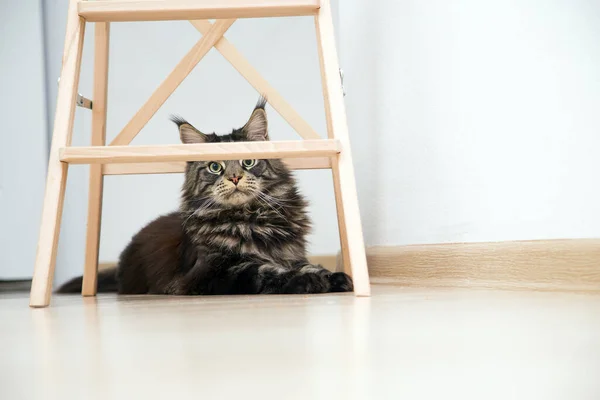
477 120
23 154
214 97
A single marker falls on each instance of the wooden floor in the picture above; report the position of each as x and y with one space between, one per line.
402 343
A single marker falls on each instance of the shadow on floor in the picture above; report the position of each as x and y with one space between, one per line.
15 286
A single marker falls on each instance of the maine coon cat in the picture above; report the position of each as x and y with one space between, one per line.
241 228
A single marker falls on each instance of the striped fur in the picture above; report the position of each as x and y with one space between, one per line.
241 230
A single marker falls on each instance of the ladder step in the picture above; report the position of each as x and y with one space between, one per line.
200 152
163 10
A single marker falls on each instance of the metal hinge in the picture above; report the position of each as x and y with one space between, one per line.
81 101
342 79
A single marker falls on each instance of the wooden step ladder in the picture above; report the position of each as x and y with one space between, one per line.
119 158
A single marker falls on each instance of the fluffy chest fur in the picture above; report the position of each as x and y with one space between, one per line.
265 231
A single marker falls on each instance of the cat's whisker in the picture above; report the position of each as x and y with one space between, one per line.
266 202
278 198
270 199
270 206
279 202
200 210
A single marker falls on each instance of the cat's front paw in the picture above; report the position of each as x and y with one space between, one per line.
309 279
316 279
307 283
340 282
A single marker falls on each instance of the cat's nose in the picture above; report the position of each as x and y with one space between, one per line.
235 179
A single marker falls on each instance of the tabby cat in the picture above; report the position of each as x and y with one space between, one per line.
241 228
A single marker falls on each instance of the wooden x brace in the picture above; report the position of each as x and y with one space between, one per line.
212 36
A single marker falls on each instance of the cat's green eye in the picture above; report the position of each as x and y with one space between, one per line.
248 163
215 167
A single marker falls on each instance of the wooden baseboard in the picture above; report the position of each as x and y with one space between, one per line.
561 265
328 261
106 265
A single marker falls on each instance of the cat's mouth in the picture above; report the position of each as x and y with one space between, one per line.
237 195
237 190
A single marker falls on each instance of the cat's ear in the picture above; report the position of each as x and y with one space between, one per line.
257 127
187 133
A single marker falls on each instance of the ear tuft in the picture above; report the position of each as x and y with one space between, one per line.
257 127
262 102
187 133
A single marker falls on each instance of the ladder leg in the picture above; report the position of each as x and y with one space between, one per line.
92 242
353 249
43 274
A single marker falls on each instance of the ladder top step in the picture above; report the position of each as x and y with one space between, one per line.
200 152
163 10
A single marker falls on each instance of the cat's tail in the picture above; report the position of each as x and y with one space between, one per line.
107 283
